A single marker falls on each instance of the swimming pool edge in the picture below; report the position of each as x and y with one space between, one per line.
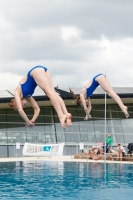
59 158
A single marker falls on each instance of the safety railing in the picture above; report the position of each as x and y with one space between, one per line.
69 149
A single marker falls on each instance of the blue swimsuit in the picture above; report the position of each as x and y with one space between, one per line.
94 85
29 86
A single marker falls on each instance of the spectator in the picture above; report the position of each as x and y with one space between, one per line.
121 152
94 153
109 142
130 148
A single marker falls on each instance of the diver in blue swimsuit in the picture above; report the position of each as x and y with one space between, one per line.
85 93
40 76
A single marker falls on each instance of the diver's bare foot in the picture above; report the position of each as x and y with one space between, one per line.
63 121
125 109
69 121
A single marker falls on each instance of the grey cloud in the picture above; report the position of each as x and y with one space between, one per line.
112 19
95 18
49 46
30 35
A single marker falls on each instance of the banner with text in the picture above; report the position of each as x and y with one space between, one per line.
43 150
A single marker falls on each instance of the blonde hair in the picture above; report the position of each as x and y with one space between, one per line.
77 98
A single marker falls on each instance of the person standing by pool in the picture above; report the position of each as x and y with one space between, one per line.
40 76
109 142
84 99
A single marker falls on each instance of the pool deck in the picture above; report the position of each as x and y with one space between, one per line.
59 158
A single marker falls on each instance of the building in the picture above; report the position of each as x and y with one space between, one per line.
49 130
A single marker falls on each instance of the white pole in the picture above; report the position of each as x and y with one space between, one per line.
105 130
105 120
105 124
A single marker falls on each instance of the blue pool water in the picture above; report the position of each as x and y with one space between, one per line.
65 180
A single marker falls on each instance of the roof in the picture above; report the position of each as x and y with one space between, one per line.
39 95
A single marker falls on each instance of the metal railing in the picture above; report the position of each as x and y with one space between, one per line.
69 149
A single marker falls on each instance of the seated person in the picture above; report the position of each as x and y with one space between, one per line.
121 152
99 150
130 148
96 151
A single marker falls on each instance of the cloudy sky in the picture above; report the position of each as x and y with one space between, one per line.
74 39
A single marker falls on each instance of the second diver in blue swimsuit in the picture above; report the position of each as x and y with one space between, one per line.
84 99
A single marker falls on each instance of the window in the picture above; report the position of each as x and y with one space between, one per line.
85 137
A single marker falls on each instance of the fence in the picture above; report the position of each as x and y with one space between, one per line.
69 149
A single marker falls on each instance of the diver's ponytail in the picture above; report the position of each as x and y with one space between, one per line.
77 98
11 103
72 93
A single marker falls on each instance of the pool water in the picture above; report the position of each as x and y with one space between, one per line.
65 180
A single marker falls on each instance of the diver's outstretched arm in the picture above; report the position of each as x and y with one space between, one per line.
35 107
29 123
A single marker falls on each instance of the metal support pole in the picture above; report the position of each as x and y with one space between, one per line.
105 135
87 153
105 130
